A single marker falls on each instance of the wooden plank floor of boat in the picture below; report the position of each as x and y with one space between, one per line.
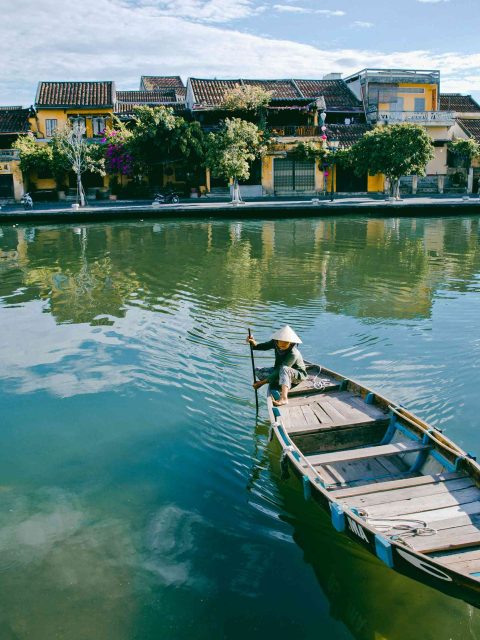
327 410
448 504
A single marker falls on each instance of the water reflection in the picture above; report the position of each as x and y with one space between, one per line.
134 485
388 269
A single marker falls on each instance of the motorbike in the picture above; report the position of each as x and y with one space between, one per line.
27 201
169 197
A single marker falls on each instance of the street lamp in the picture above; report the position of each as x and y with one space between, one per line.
333 145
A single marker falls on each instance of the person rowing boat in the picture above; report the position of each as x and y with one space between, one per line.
289 368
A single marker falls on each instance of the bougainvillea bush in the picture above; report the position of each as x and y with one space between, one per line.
118 159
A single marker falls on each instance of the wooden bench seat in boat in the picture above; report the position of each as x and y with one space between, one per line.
395 449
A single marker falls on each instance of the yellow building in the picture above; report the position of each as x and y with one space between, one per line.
394 96
57 103
13 122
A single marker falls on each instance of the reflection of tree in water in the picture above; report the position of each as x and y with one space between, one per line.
383 268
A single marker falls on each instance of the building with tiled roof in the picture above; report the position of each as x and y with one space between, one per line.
52 95
458 103
13 121
155 83
346 134
471 127
336 93
209 93
128 100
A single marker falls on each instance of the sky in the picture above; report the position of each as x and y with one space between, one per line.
121 40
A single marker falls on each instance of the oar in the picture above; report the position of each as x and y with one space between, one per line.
253 367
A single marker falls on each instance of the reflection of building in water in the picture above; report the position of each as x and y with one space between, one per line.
378 268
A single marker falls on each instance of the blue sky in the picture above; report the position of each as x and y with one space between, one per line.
123 39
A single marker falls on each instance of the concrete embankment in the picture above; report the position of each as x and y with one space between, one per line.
421 206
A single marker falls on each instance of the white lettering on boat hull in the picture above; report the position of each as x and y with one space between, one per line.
357 529
420 564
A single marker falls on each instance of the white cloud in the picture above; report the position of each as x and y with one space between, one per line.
329 12
201 10
137 40
362 24
288 8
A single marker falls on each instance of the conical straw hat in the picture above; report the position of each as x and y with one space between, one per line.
286 334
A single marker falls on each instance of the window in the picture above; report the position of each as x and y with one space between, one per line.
50 127
98 126
419 104
78 122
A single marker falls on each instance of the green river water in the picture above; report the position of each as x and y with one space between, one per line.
139 498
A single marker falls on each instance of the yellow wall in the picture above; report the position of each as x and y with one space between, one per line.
430 95
61 115
376 183
12 167
267 174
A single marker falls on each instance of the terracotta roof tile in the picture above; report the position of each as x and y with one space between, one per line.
14 120
75 94
336 93
281 89
338 97
457 102
149 97
471 127
124 110
346 134
153 83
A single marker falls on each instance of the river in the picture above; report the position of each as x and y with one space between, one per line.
139 498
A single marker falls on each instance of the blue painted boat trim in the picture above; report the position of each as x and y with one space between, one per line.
307 489
446 463
343 385
338 517
276 412
383 549
283 435
369 398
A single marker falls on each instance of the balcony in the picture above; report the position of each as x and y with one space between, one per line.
429 118
295 131
6 155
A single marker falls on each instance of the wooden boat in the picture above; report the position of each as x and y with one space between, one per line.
390 481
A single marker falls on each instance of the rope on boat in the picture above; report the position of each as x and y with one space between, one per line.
407 527
320 383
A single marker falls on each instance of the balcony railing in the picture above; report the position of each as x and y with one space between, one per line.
440 118
9 154
295 131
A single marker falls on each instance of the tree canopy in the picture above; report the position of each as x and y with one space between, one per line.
394 150
159 137
246 98
465 149
232 150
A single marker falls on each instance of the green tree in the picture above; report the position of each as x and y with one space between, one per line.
232 150
394 150
44 158
465 151
250 100
158 137
310 150
34 157
79 155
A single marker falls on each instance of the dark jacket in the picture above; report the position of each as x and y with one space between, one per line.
290 357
